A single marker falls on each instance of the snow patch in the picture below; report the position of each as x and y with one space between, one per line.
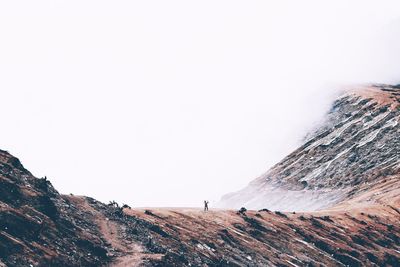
274 198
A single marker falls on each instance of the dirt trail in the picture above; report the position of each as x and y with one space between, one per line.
128 253
111 232
362 226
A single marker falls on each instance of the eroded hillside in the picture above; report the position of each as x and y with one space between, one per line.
357 146
38 227
349 170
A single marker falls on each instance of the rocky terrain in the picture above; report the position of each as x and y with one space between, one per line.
37 226
356 147
335 201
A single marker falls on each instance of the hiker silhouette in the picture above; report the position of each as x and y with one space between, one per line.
205 205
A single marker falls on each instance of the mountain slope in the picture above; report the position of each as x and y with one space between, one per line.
40 227
348 169
356 147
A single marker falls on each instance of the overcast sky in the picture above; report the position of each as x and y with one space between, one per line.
167 103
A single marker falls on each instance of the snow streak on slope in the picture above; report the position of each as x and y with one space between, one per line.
358 144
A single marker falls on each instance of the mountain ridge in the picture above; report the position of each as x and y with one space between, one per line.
358 227
336 158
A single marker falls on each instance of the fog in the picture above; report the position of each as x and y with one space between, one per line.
167 103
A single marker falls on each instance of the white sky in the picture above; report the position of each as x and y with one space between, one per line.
167 103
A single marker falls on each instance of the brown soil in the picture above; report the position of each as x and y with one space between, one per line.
127 253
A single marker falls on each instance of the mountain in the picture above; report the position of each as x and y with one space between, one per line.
356 149
348 169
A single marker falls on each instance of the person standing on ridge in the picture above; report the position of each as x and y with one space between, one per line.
205 205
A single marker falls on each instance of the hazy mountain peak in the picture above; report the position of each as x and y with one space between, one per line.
357 145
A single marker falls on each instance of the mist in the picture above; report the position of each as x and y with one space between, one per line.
168 103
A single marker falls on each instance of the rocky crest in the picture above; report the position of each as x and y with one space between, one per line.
40 227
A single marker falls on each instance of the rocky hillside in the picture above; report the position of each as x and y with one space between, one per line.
38 226
348 169
356 148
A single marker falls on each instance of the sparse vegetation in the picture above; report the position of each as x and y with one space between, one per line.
265 210
242 210
281 214
126 206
